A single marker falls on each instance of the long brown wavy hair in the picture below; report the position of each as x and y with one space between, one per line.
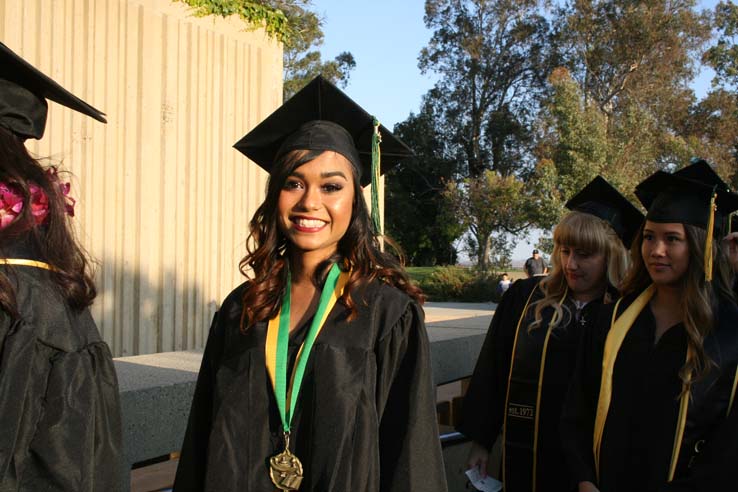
584 231
265 263
700 298
54 241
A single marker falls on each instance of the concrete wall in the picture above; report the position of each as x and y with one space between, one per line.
163 199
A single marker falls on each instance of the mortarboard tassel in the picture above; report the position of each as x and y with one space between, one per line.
376 160
708 241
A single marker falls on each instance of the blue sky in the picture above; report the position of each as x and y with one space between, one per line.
385 38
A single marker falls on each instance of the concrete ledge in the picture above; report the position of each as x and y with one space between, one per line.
155 396
456 332
156 390
453 357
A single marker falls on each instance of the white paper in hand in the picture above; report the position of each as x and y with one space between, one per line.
486 484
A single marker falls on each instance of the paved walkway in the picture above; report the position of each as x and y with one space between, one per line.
459 314
446 320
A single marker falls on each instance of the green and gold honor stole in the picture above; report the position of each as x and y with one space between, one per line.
285 469
522 404
619 327
24 262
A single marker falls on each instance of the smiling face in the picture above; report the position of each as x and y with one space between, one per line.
316 203
665 252
585 272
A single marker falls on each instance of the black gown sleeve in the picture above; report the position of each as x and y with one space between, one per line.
60 414
578 413
714 468
193 459
483 406
80 426
409 448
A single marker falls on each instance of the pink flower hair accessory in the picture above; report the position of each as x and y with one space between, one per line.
11 200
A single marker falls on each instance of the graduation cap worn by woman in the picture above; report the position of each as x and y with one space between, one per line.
316 375
322 117
59 409
658 372
24 91
529 353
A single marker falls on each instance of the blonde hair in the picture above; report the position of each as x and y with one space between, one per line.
700 297
581 231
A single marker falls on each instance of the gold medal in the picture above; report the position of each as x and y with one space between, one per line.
285 468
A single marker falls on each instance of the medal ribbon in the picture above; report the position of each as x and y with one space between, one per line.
278 335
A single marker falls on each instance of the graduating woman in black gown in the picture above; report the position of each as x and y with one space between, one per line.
651 406
59 410
364 418
523 371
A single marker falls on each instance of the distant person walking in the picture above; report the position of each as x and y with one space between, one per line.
503 284
535 265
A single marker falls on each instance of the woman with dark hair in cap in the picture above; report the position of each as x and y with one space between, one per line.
527 359
59 410
316 374
651 404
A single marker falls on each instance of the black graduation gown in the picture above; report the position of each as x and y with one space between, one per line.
638 439
484 403
60 426
365 418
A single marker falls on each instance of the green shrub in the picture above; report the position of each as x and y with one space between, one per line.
445 283
481 288
459 285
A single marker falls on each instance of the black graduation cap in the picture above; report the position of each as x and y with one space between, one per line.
700 170
701 202
322 117
673 198
23 94
601 199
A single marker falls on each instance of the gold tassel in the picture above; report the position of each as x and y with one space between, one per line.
708 241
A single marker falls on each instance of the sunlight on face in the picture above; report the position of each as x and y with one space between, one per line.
316 203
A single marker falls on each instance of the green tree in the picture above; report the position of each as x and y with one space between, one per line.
574 135
622 106
621 50
302 58
713 122
490 55
712 127
723 56
416 215
495 209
